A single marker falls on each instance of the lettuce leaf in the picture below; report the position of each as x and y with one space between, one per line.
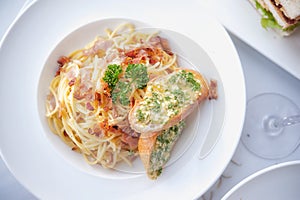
268 20
291 28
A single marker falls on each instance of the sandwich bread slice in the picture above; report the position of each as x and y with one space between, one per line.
281 15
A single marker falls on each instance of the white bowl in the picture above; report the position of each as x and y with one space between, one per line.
277 182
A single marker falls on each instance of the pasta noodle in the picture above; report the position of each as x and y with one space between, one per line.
80 107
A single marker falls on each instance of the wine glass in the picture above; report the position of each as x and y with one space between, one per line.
270 129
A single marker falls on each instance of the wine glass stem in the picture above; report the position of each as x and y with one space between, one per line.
287 121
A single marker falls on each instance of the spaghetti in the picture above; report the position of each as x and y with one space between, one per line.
95 88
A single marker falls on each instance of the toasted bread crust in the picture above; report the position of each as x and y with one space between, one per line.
145 147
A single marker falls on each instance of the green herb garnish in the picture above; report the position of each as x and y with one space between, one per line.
111 76
140 115
189 78
138 75
120 93
179 96
163 146
156 107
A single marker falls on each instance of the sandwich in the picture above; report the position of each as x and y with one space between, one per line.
283 16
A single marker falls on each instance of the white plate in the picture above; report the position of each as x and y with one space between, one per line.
276 182
27 151
242 19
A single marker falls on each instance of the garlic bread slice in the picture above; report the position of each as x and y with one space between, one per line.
155 151
168 100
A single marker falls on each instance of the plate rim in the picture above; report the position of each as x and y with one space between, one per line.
242 113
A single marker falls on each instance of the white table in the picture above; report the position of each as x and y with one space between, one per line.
256 67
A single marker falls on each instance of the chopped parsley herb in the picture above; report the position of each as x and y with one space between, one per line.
156 107
189 78
176 112
140 115
131 152
159 171
179 96
173 79
111 76
167 98
164 100
163 146
171 106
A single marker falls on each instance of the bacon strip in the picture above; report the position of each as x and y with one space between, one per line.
62 60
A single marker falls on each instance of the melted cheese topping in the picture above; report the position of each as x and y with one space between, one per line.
162 149
167 97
